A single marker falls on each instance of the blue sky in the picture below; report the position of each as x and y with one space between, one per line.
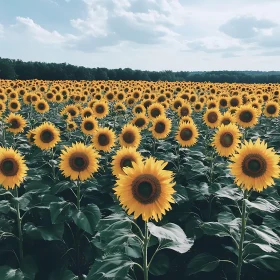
144 34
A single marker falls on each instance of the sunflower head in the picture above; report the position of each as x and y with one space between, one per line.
130 136
271 109
146 189
12 168
161 127
16 123
255 166
187 134
79 162
246 116
100 109
140 121
226 139
89 125
124 158
212 118
103 139
42 106
46 136
155 110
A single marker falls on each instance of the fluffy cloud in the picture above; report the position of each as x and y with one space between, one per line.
42 35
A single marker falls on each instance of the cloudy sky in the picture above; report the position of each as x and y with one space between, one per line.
144 34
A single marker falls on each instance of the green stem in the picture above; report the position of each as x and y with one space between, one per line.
79 195
243 227
145 253
20 239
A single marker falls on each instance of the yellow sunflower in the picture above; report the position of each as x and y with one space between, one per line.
71 126
246 116
271 109
140 121
89 125
130 136
227 118
79 162
155 110
185 110
254 166
16 123
14 105
46 136
100 109
212 118
161 127
2 107
119 107
124 158
187 134
42 106
146 189
86 112
103 139
226 139
12 168
30 136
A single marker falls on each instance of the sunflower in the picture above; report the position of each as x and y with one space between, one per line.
72 110
130 136
100 109
2 107
271 109
124 158
14 105
246 116
226 139
187 134
46 136
30 136
235 101
155 110
212 118
198 106
139 109
161 127
86 112
254 166
16 123
103 139
119 107
146 189
140 121
223 102
12 168
3 97
227 118
89 125
185 110
79 162
42 106
71 125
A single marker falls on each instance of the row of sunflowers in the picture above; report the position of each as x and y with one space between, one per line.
109 174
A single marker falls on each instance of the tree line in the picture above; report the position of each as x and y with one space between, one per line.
18 69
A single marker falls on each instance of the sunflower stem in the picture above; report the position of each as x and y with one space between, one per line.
20 239
78 195
145 252
243 228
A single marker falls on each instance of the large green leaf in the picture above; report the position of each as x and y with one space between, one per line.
262 205
202 263
171 236
215 228
87 218
62 211
7 273
160 264
266 262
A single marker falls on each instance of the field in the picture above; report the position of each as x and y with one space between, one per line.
137 180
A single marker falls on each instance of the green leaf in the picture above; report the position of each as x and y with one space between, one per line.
63 275
5 206
202 263
271 222
49 233
87 218
266 262
231 192
225 217
264 233
171 236
262 205
110 267
215 228
29 268
7 273
159 265
62 211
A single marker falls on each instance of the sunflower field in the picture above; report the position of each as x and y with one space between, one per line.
139 180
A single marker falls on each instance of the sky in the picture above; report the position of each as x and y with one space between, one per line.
178 35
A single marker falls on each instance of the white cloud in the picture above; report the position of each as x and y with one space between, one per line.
1 30
42 35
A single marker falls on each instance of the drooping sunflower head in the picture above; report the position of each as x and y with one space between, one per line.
130 136
42 106
212 118
161 127
119 107
155 110
16 123
72 110
140 121
71 126
46 136
124 158
89 125
103 139
246 116
30 136
79 162
12 168
14 105
227 118
187 134
271 109
226 139
100 109
255 166
146 189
